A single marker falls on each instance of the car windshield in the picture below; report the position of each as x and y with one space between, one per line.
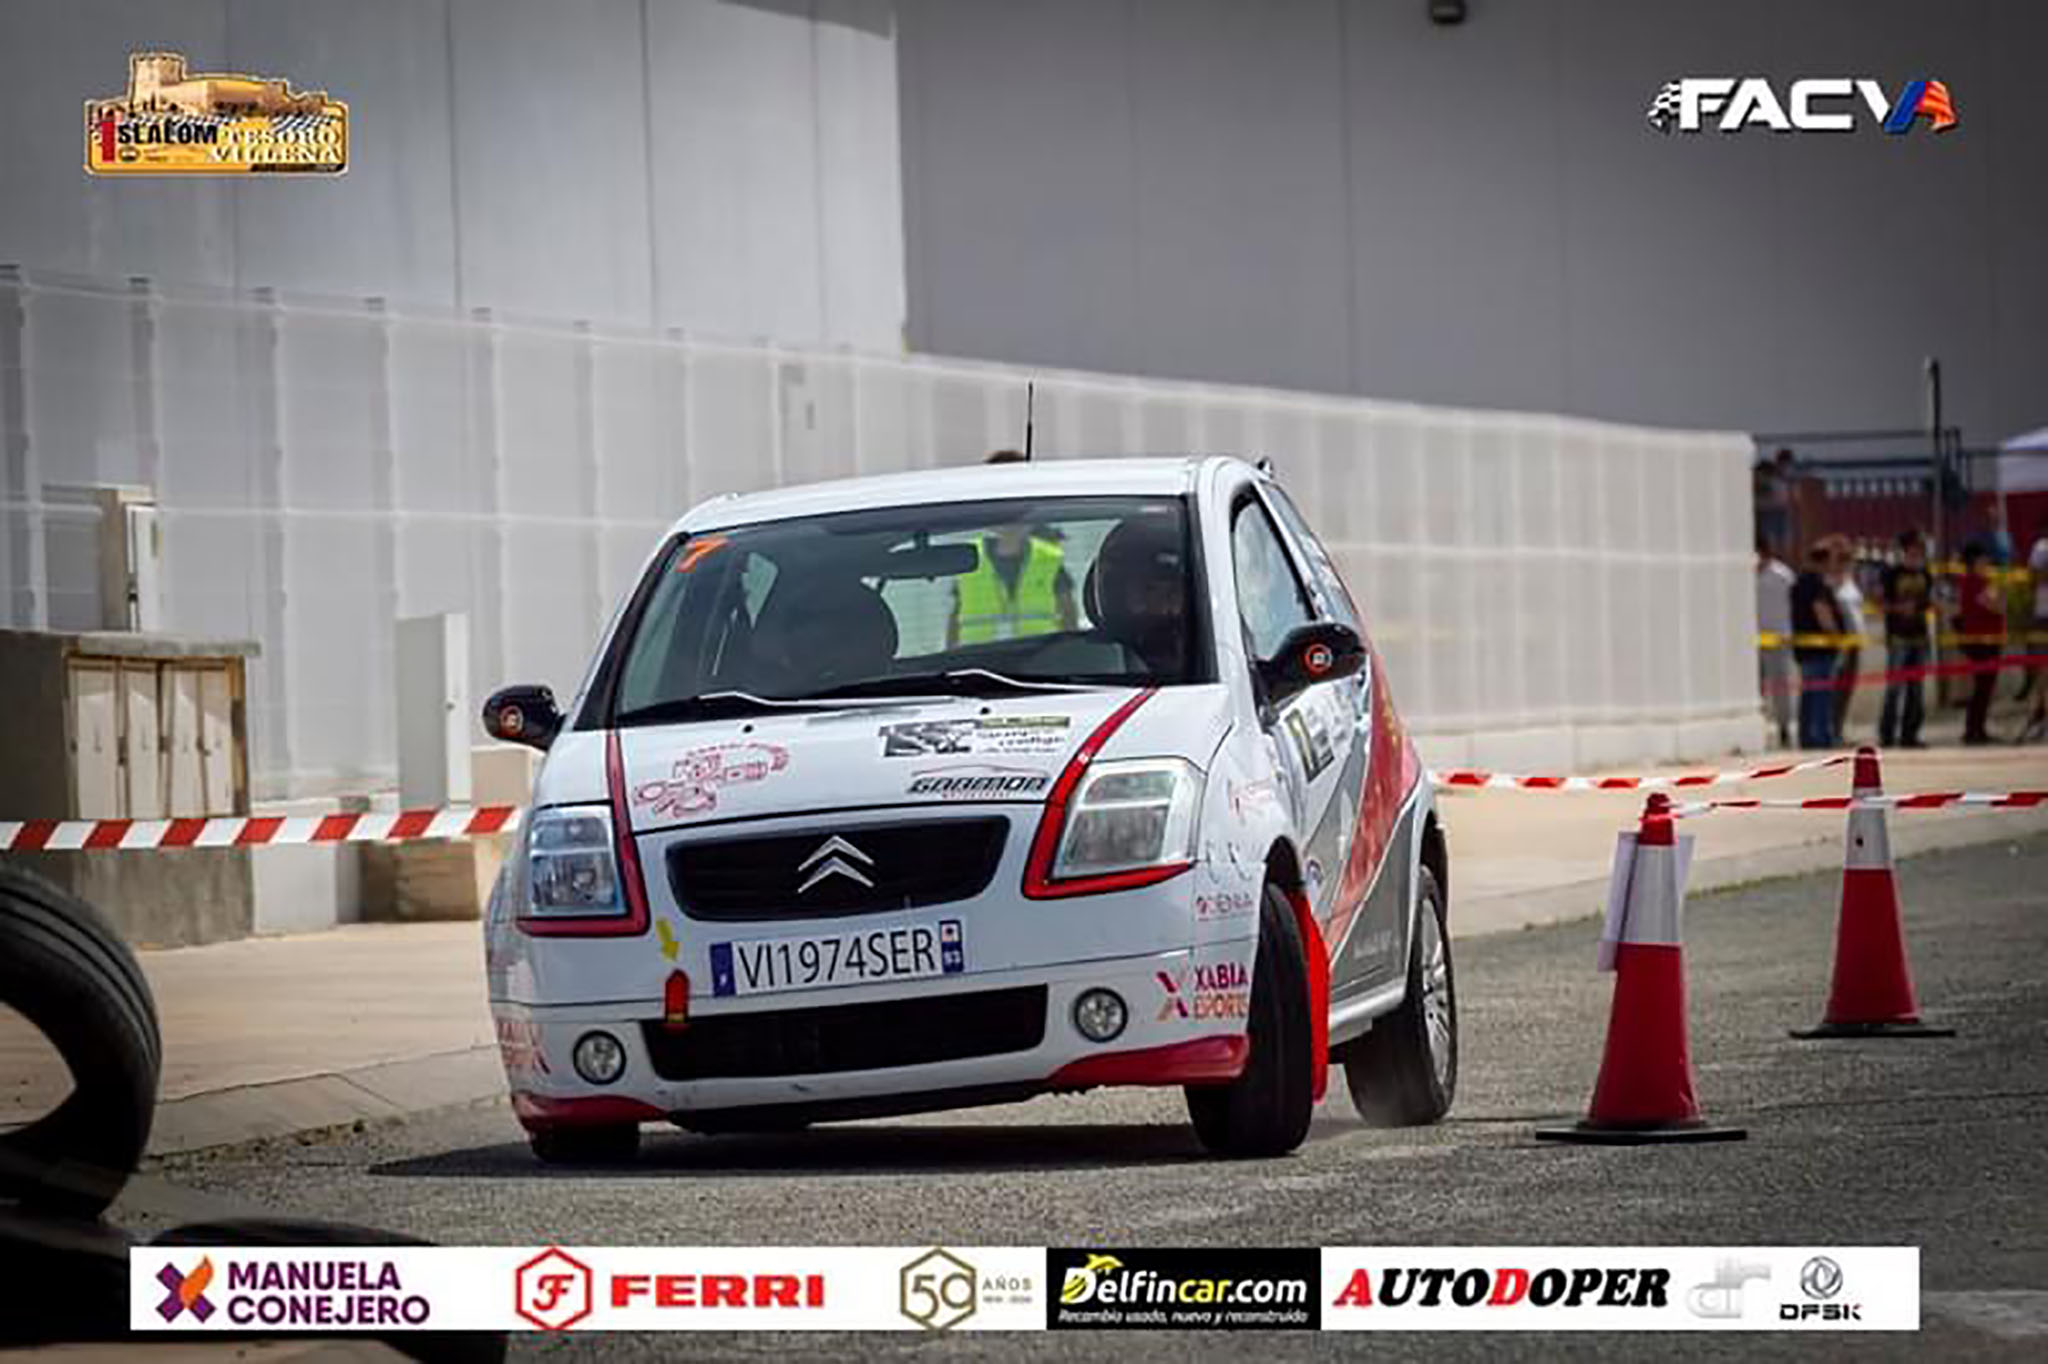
970 597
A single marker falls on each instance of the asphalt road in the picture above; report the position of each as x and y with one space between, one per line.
1932 1143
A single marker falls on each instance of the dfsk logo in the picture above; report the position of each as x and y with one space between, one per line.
1220 990
1820 1279
1823 104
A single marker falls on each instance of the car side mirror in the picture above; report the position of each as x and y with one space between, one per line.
523 714
1324 652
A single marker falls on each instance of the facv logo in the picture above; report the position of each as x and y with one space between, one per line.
1820 104
831 858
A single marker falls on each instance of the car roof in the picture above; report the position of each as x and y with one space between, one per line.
1154 475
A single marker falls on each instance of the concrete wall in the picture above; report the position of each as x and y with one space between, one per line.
723 167
1338 195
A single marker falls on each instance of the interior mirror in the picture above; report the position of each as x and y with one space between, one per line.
523 714
1323 652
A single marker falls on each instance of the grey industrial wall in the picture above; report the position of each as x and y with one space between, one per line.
1338 195
725 167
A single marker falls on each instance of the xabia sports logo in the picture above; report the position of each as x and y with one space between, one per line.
1821 104
1219 990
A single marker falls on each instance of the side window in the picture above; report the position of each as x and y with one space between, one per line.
1335 593
1270 598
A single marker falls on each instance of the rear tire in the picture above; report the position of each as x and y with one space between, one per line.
608 1144
1404 1072
1265 1111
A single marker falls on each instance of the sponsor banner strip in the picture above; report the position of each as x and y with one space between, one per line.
379 1290
1494 781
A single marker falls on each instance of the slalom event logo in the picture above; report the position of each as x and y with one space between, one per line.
1819 104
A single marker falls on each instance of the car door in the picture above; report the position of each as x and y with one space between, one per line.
1365 894
1310 733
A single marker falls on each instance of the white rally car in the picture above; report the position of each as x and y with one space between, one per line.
958 787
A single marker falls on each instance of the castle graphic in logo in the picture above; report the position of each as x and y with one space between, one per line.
173 122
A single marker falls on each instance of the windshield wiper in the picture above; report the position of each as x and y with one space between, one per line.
955 682
709 706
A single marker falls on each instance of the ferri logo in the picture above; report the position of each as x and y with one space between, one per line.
1822 104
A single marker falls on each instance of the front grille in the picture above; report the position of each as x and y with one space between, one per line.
810 876
841 1037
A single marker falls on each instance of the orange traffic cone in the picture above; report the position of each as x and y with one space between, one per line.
1645 1091
1873 987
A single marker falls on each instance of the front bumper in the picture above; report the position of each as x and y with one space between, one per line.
1184 1025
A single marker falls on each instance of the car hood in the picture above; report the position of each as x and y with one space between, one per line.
939 751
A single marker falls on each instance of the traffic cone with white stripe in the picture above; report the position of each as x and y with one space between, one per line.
1645 1090
1872 995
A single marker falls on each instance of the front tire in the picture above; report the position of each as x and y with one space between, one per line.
1265 1111
1404 1072
608 1144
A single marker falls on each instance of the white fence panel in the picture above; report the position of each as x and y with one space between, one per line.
1540 588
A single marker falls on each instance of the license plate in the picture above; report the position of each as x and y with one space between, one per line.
820 961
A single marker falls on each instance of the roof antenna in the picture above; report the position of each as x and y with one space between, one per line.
1030 402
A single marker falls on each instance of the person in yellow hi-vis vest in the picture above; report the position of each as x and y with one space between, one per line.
1019 588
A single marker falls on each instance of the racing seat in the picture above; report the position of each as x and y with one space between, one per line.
821 634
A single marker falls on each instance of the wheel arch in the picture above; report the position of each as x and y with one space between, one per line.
1436 855
1283 870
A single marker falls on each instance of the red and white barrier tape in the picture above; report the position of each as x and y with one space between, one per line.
1495 781
1919 800
253 831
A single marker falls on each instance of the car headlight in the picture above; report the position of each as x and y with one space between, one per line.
570 867
1131 815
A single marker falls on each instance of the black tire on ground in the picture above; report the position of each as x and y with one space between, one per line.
1266 1110
1392 1070
65 970
66 1277
608 1144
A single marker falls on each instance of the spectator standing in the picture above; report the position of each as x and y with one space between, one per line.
1772 491
1816 636
1980 620
1907 592
1774 645
2037 640
1849 597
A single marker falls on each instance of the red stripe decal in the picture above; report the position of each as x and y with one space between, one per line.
489 819
107 833
334 828
259 830
411 823
34 835
182 833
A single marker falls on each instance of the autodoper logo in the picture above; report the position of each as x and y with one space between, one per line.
1229 1289
1446 1286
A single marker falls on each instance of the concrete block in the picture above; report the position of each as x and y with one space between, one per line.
174 898
437 879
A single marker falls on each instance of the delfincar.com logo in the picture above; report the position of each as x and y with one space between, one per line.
1183 1288
1821 104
